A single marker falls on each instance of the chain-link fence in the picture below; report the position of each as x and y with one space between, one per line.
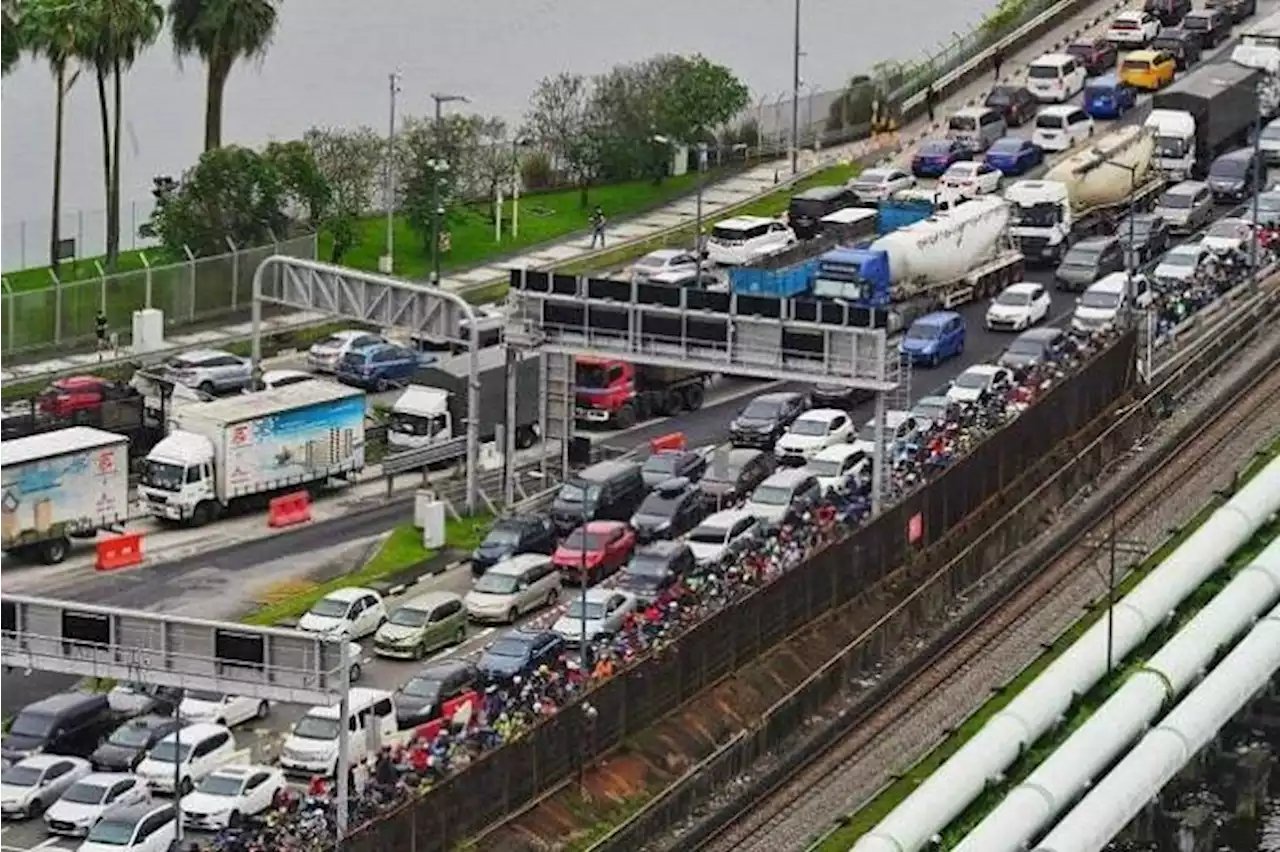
200 289
83 233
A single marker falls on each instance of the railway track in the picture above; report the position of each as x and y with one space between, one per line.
768 822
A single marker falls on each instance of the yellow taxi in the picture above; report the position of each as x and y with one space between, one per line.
1148 69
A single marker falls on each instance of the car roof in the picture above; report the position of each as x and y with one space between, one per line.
936 318
136 812
896 417
79 382
600 594
430 600
1095 242
1187 248
241 770
984 369
63 701
1129 15
1022 287
725 517
932 399
43 761
1239 154
105 779
1141 54
1054 59
738 456
787 477
151 721
972 112
519 634
664 549
517 564
824 414
836 452
352 333
743 222
443 668
777 396
657 454
1111 283
203 354
1043 334
349 593
604 526
605 470
1058 109
820 193
665 254
195 732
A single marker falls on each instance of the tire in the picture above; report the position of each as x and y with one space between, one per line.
34 809
552 597
202 514
671 401
513 616
525 437
420 651
234 819
626 417
461 635
54 550
380 385
264 708
353 673
185 786
694 396
206 387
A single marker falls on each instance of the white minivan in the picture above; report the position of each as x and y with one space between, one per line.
742 239
1055 77
1100 304
1058 128
312 746
198 749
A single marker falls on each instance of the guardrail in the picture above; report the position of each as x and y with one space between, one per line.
405 461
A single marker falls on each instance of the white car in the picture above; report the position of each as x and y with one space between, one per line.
230 793
978 382
726 531
85 801
1018 307
272 379
34 783
1060 127
352 612
742 239
663 260
1180 262
142 827
836 465
1228 234
970 178
324 355
1133 28
816 429
899 426
605 612
198 749
875 185
227 710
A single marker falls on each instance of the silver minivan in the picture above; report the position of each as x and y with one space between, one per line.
512 587
977 127
1186 206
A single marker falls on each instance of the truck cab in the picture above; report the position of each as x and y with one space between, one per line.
419 418
1175 142
1040 220
617 393
855 275
177 476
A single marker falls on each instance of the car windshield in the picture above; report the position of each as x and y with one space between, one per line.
1271 131
1049 122
809 428
572 492
333 341
1195 22
761 409
1099 299
580 539
594 609
84 793
1229 168
1135 65
724 473
874 176
654 261
1081 256
962 123
1043 72
972 381
504 536
317 728
1269 201
422 687
664 463
1181 258
935 148
204 695
330 608
130 736
962 170
1140 228
162 475
493 583
164 750
824 467
922 331
220 785
1022 346
708 535
32 725
1006 146
509 648
930 410
772 495
1176 200
20 776
591 376
644 565
1014 298
409 617
1232 230
112 832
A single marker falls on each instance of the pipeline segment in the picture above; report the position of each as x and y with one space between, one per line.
1047 792
983 759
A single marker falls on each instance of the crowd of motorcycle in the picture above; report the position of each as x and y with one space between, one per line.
1174 302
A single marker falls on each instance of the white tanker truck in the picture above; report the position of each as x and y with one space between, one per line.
1083 195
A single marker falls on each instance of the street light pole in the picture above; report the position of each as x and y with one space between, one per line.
388 263
1258 169
438 166
795 97
697 226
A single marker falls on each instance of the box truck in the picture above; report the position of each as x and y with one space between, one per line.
71 482
618 394
245 449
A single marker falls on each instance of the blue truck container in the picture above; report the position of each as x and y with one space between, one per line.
776 283
897 213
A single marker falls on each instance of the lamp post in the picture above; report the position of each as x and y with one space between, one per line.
438 167
1130 262
516 144
387 262
701 148
1258 169
795 96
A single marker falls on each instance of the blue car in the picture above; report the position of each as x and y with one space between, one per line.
380 367
1014 156
1108 98
935 156
933 338
518 652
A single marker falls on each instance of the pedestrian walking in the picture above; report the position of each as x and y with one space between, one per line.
997 59
100 329
597 227
930 98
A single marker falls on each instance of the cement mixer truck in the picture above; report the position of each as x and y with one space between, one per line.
1083 195
955 256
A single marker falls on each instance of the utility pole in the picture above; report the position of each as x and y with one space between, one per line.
795 97
697 227
438 167
387 264
1259 169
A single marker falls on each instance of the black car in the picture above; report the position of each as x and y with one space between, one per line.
1169 12
421 697
1036 346
808 207
512 535
1182 45
124 749
518 652
1232 176
668 464
670 511
1097 55
766 418
1235 10
1151 236
841 397
70 723
1015 103
654 567
1210 24
734 473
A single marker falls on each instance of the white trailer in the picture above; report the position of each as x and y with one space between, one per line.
248 448
71 482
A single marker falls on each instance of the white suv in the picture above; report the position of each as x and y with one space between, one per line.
199 749
812 431
743 239
1058 128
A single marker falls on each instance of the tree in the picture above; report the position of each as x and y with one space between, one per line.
120 30
52 30
231 193
220 32
696 96
624 116
11 41
351 161
307 191
454 141
491 163
558 113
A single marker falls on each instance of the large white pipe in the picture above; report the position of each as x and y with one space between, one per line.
1162 753
1046 793
953 786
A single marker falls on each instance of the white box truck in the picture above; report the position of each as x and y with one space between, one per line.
71 482
224 454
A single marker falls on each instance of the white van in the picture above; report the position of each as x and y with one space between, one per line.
742 239
312 746
1055 77
1100 304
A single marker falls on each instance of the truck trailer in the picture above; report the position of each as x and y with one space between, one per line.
60 484
433 409
618 393
239 452
1206 113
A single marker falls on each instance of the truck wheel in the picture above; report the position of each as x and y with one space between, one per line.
525 437
694 396
203 513
670 403
626 417
54 550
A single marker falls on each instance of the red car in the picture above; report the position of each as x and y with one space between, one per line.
604 547
80 397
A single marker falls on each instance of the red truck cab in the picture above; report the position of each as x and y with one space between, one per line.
617 393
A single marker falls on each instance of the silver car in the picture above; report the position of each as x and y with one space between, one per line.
1180 263
210 371
601 614
512 587
1187 206
875 185
1269 143
662 260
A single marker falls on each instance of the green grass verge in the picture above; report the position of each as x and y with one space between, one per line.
82 269
870 815
399 551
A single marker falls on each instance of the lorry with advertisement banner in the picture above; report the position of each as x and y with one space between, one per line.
246 449
62 484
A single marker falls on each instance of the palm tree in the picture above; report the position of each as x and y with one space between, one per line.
121 30
54 31
220 32
11 42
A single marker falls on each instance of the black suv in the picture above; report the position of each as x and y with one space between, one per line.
1097 55
70 723
668 464
124 749
1211 25
1183 46
766 418
670 511
1151 236
424 695
654 567
1169 12
512 535
1015 103
606 491
734 473
807 208
1235 10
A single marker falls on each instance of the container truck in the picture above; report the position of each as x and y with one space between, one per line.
1206 113
1083 195
240 451
618 393
433 409
70 482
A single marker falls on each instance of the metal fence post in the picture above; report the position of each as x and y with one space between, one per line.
57 307
9 300
191 265
146 264
235 272
102 287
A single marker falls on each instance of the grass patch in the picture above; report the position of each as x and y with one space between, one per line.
81 269
600 818
399 551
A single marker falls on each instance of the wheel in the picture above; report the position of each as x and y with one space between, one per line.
420 650
671 403
34 809
513 615
234 819
694 396
202 514
626 417
54 550
184 786
460 636
353 673
551 597
380 385
206 387
525 437
263 709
